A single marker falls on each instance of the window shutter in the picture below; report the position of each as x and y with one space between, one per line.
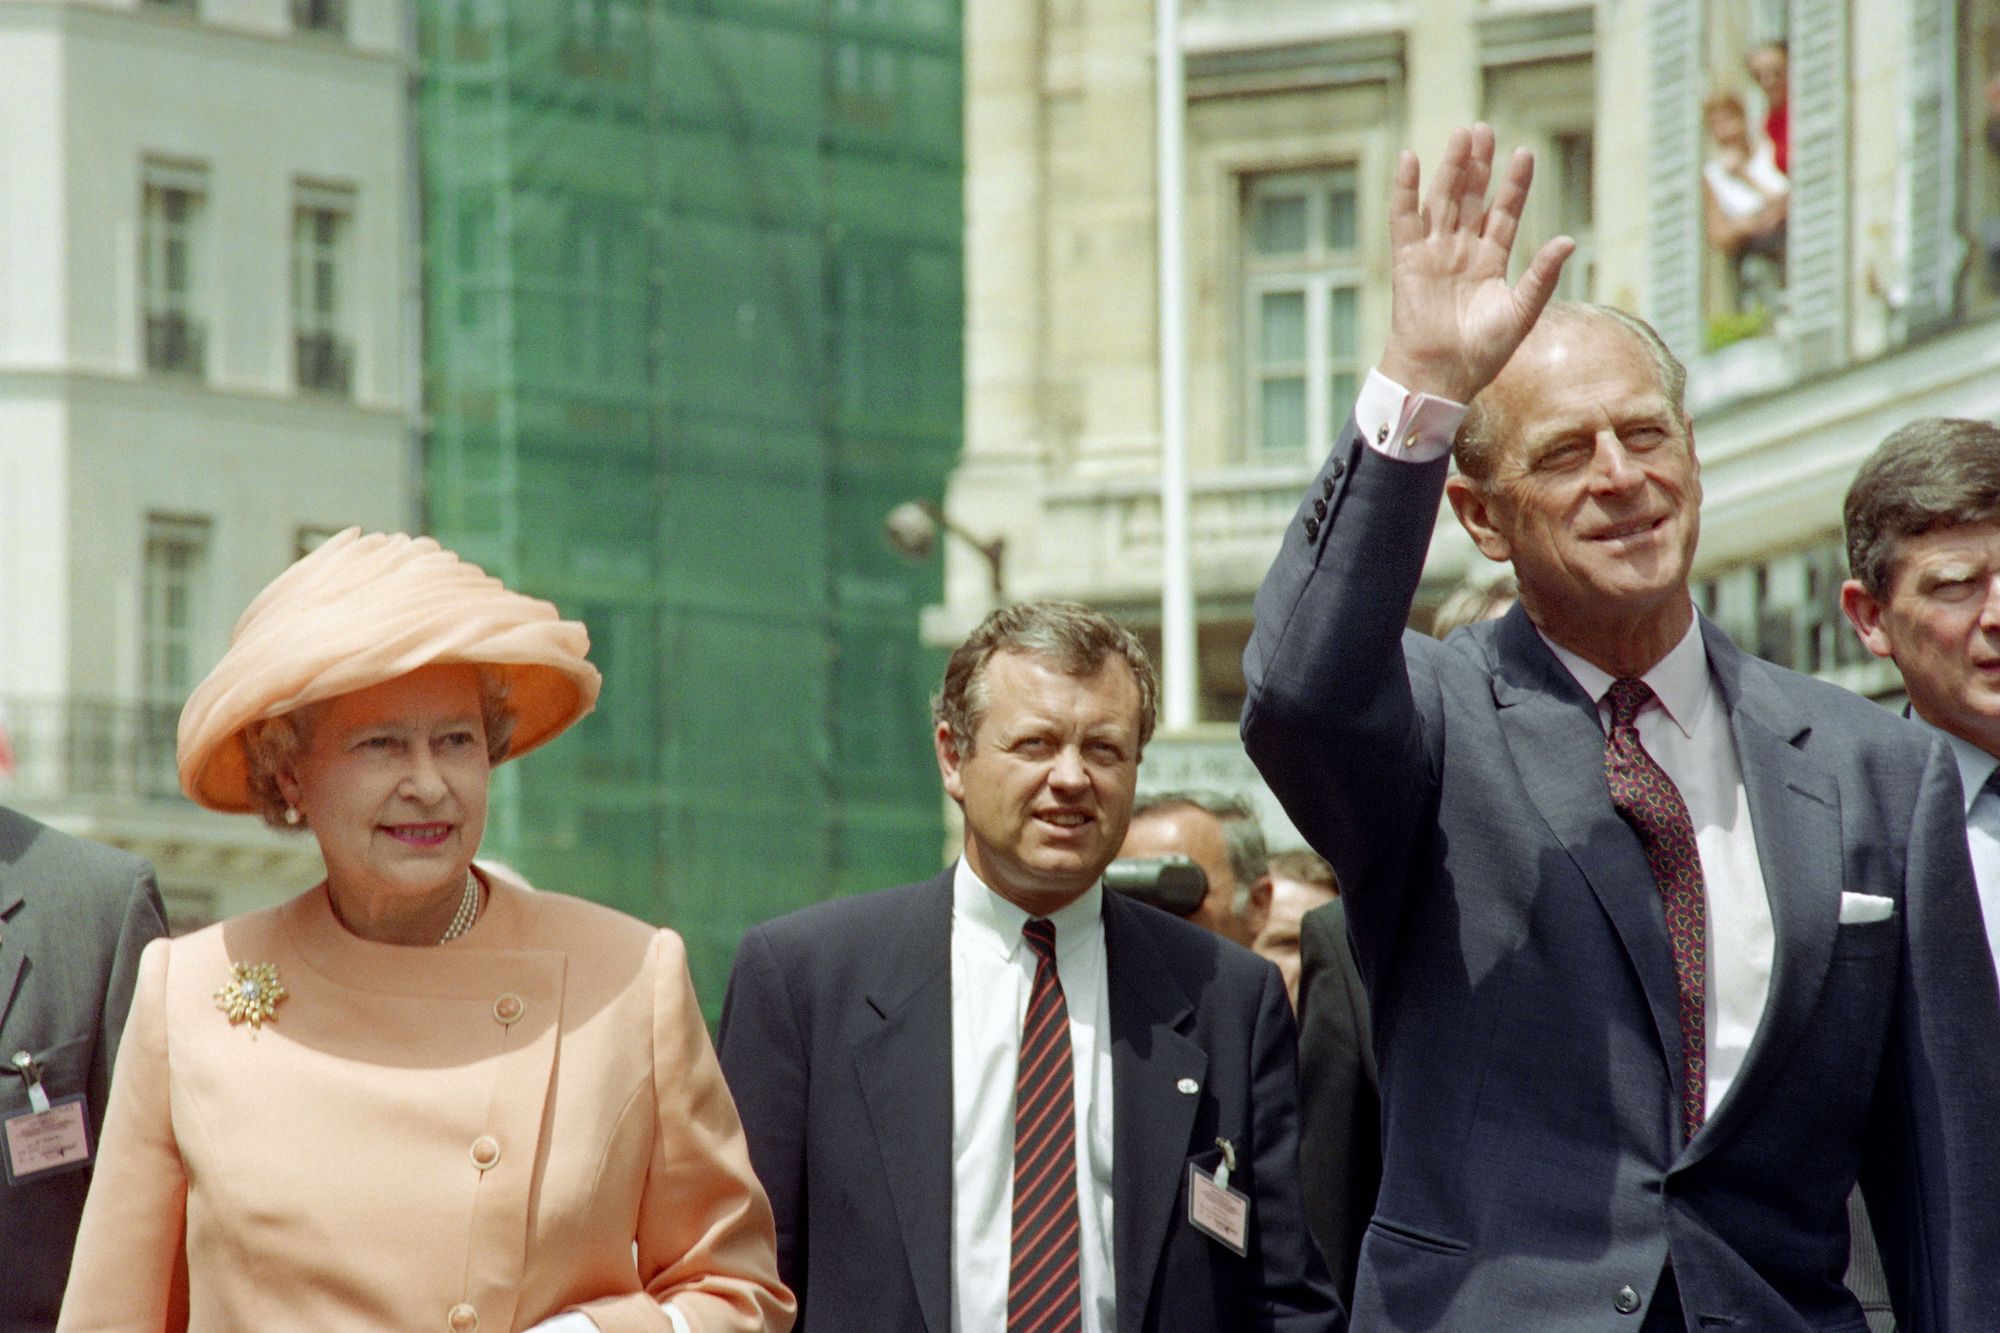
1934 250
1816 243
1674 60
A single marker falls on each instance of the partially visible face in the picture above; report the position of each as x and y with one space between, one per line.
393 782
1595 495
1725 125
1047 788
1769 66
1278 941
1941 623
1186 830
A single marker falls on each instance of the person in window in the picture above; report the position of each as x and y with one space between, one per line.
418 1095
1745 197
1771 66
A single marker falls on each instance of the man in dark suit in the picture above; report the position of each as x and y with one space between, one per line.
1923 546
1340 1098
1664 946
73 919
1004 1099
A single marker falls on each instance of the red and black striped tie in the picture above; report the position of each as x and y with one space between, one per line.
1043 1284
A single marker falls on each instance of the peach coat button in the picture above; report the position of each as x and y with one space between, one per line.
485 1151
508 1008
462 1319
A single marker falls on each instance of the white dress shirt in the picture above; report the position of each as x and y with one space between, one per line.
992 974
1688 736
1982 825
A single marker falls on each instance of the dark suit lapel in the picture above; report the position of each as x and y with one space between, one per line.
13 952
1557 745
1152 1117
1795 813
904 1064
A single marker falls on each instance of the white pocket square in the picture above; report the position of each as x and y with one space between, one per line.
1856 908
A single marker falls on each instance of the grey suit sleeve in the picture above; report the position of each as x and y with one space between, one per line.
1331 717
1932 1152
764 1059
145 920
1340 1148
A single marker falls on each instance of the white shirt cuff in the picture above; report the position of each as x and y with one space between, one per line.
677 1319
1415 428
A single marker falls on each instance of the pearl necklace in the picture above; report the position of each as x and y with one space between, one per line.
468 911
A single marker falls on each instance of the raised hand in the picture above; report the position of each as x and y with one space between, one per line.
1453 319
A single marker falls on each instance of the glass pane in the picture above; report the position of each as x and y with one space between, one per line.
1341 210
1281 224
1282 328
1343 387
1283 417
1343 323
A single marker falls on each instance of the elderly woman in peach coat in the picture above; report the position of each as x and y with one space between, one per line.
419 1095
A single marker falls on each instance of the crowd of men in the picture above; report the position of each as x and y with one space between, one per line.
1645 952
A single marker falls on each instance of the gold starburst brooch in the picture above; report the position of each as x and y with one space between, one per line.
251 995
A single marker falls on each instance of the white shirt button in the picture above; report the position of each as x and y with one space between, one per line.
508 1009
462 1319
485 1152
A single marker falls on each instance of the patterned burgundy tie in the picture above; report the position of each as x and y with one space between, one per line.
1043 1285
1647 798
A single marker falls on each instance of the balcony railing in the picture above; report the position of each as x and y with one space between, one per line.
325 363
175 344
323 16
89 748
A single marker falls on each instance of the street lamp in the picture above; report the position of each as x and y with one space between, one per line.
912 528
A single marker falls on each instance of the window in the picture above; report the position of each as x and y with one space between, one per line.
322 353
1575 163
324 16
175 587
1302 279
170 244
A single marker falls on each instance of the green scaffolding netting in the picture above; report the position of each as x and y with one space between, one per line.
693 310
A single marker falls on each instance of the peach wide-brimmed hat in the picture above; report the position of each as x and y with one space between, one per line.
362 610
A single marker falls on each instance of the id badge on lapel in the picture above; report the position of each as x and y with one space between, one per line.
1217 1209
47 1139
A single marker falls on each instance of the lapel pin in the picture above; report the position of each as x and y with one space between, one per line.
251 995
1189 1086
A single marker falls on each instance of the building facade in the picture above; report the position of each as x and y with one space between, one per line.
205 368
1872 297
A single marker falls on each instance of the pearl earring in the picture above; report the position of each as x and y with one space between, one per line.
292 815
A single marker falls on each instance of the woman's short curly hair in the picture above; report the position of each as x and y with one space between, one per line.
274 745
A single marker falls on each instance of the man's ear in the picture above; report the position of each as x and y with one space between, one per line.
1865 612
948 762
1475 514
1258 912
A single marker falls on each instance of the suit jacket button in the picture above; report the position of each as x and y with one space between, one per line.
1338 469
508 1009
462 1319
1312 529
1319 508
485 1152
1626 1301
1326 484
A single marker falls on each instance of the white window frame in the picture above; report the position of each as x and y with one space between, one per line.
1316 273
175 560
161 237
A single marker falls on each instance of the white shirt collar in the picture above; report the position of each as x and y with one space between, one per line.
1680 680
987 917
1975 766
